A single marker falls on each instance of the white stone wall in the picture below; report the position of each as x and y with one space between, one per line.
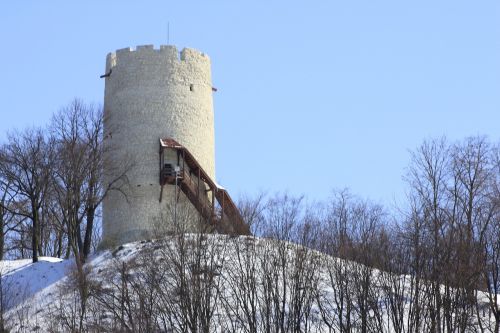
149 95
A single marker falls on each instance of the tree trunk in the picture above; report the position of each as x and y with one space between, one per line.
78 236
68 248
88 232
2 232
2 236
34 236
59 244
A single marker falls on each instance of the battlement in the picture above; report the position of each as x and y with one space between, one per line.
165 52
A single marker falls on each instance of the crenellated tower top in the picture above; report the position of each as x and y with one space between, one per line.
164 53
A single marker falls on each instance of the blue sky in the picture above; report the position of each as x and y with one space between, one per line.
311 96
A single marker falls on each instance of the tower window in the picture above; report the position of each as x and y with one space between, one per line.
191 87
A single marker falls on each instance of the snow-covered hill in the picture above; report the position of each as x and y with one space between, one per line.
210 283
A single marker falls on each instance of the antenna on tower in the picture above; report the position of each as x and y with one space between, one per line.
168 32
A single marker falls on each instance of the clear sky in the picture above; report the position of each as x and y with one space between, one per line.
312 95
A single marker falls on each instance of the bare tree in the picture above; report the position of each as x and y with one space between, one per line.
427 177
195 283
9 221
470 216
252 211
95 189
241 281
27 166
491 243
396 285
77 130
70 171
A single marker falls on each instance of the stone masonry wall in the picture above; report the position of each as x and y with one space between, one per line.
151 94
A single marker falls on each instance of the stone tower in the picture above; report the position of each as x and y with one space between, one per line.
151 94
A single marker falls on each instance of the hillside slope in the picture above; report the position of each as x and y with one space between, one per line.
212 283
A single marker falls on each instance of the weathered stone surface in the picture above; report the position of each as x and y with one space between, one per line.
149 95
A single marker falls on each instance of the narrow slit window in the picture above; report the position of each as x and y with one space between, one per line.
191 87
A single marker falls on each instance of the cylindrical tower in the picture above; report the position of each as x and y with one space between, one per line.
151 94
